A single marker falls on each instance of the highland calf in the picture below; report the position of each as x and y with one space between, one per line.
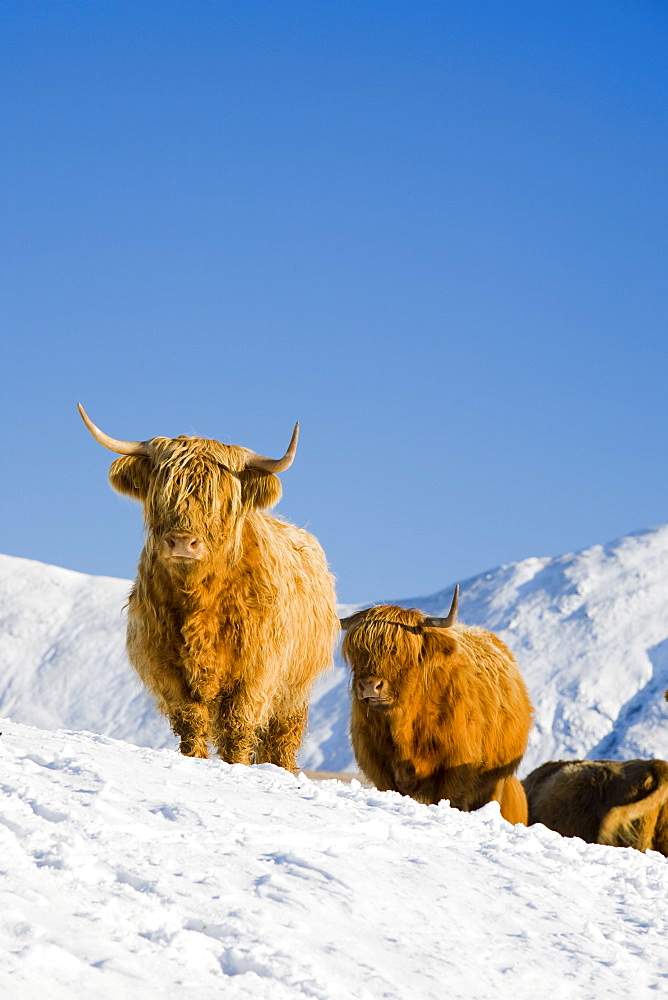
620 803
232 615
439 709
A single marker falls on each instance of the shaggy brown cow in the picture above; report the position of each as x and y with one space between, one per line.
620 803
232 615
439 709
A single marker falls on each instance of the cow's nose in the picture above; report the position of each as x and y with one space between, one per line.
372 687
182 545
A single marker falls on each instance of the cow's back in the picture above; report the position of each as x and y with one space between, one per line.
619 803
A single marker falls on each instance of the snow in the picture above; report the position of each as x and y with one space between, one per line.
62 654
129 872
589 629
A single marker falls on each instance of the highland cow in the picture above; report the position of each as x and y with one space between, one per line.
620 803
439 709
232 615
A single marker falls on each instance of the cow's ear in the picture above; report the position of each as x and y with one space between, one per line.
259 489
130 475
438 642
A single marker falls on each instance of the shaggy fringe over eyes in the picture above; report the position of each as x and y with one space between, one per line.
187 473
389 639
380 636
187 468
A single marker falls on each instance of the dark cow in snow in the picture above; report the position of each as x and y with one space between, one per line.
439 709
620 803
232 615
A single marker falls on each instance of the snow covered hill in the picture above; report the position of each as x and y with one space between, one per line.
62 654
590 631
134 873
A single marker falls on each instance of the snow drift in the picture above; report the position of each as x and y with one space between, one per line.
136 873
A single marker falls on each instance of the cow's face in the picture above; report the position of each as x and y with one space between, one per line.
195 493
390 653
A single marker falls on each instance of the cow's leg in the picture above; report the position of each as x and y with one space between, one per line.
235 742
406 780
189 719
233 729
646 830
190 722
282 738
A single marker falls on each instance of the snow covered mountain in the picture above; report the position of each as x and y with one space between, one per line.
590 631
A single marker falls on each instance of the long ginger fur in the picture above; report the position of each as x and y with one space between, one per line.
230 645
459 721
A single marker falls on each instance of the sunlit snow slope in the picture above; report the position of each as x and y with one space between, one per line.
135 874
62 654
590 631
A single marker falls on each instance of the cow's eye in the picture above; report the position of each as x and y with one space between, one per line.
136 483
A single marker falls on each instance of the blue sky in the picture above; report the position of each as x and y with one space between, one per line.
434 233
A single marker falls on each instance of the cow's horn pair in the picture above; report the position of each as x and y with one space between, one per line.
447 622
143 448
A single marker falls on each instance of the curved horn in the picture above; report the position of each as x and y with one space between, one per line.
276 464
452 614
120 447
